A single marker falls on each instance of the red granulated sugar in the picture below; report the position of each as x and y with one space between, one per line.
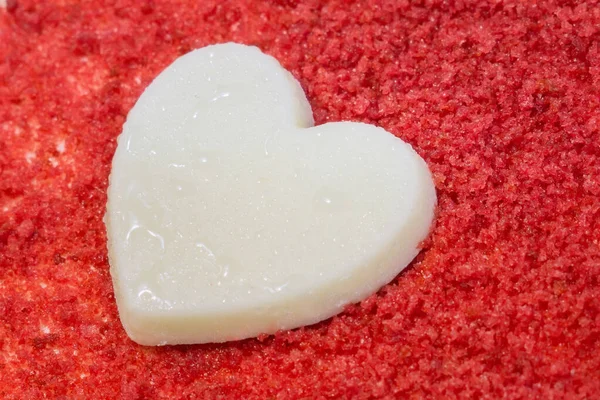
502 99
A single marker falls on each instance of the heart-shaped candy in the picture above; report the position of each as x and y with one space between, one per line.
229 215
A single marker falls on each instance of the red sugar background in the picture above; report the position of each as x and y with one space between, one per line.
502 99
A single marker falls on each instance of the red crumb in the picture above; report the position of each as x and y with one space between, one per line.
501 98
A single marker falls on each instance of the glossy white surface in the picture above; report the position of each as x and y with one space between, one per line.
229 215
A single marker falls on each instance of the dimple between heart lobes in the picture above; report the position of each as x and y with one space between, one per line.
226 206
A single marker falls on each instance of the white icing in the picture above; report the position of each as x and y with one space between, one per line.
229 215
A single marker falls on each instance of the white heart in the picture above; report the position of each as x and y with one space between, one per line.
229 215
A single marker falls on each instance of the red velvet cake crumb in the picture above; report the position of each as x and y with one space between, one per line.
501 98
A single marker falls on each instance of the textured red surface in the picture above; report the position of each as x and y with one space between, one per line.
501 98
